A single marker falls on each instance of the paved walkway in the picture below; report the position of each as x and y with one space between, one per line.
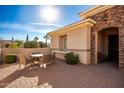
61 75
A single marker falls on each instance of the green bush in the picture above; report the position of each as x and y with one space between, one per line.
13 45
11 58
71 58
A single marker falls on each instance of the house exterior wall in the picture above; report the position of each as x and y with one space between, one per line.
78 41
54 41
86 41
112 17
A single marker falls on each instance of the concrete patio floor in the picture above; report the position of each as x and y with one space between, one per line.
62 75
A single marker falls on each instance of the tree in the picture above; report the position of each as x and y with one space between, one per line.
27 38
19 43
12 42
28 44
36 38
46 37
35 44
42 44
31 44
12 39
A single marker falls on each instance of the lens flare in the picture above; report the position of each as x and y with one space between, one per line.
49 14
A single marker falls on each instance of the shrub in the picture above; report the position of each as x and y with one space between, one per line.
13 45
71 58
11 58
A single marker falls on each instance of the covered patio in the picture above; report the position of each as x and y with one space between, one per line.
62 75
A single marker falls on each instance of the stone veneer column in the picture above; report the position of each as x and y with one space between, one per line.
121 48
93 47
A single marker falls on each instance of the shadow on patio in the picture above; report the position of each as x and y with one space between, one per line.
43 75
61 75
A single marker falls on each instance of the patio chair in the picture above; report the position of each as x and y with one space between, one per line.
52 58
23 60
46 60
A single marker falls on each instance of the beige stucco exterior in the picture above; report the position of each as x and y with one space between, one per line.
79 35
78 40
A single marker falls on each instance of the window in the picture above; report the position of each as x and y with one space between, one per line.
63 42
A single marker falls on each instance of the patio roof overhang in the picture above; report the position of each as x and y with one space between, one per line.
86 22
94 10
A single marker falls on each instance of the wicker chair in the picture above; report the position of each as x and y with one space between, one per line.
45 60
53 57
48 59
23 60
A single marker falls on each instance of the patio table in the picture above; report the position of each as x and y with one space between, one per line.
37 58
37 55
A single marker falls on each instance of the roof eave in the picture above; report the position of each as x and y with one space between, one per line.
87 22
94 10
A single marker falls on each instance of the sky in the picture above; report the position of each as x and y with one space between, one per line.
18 21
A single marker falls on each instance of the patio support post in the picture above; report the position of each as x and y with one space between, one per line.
94 47
96 34
121 48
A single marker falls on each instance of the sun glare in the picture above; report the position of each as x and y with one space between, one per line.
49 14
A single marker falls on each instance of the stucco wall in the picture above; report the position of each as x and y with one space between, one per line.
84 56
25 51
59 55
54 41
78 40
